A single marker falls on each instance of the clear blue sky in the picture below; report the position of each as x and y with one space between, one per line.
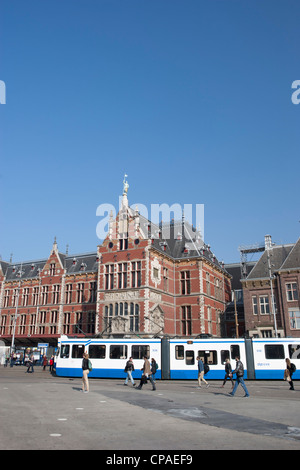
191 98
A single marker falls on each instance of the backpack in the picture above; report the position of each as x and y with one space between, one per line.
90 365
293 368
206 368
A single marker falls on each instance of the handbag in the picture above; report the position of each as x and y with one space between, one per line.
144 379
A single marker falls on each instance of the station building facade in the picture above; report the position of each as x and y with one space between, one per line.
144 279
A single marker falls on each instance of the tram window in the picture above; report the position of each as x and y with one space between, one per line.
97 351
179 352
294 351
118 351
235 351
208 357
139 351
189 358
65 351
274 351
77 351
224 355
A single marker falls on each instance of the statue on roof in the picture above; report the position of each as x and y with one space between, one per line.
125 185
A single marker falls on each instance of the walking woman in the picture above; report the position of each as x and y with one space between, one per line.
85 372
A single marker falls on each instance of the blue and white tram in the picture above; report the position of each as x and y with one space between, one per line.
108 356
262 358
214 352
269 357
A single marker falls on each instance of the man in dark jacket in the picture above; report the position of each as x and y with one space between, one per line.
239 371
129 368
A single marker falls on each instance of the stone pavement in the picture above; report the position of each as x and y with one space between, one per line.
43 412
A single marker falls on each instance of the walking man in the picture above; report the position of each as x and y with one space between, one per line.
239 371
201 373
147 374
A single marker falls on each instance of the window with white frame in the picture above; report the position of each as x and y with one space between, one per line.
80 292
109 276
56 294
291 291
122 275
264 305
68 293
294 314
254 305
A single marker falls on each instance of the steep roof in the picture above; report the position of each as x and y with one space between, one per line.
278 255
293 259
86 262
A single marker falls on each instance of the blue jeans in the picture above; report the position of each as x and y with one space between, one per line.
129 376
239 380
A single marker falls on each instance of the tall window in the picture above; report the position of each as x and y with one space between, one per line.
122 275
42 322
22 324
56 294
52 269
45 290
25 296
54 315
3 319
186 320
254 305
185 282
93 292
136 274
80 292
6 298
68 293
109 276
35 297
134 317
123 244
264 305
15 297
291 291
91 322
66 325
32 324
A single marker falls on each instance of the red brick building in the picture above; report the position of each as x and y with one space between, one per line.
143 279
270 312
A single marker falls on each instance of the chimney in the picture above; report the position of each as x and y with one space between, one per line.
268 242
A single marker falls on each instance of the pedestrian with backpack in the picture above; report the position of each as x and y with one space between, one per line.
288 373
239 371
201 372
